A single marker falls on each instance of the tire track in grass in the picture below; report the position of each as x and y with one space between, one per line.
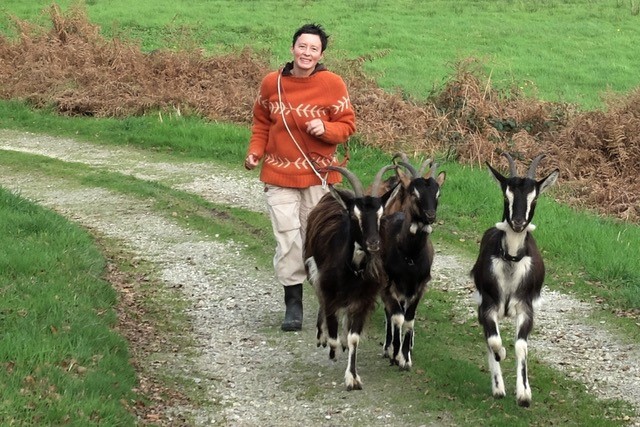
243 364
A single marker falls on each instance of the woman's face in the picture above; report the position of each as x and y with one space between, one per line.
307 51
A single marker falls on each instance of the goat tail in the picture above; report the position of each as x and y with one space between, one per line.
312 270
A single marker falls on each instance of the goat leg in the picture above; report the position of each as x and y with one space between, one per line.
404 361
355 327
321 329
495 350
351 377
524 325
397 321
394 321
386 347
332 334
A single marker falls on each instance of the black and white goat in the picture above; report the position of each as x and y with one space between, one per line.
342 259
407 255
509 273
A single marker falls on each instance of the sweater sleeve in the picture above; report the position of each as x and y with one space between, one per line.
342 120
261 122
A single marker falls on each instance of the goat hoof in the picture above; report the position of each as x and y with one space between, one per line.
354 386
525 403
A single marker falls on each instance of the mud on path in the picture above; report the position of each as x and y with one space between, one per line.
251 373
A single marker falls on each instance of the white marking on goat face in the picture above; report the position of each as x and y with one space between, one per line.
530 199
510 197
358 214
416 193
379 213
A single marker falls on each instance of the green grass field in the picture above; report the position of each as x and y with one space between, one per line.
558 50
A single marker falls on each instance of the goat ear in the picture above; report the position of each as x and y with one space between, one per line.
496 175
548 181
441 177
341 196
404 178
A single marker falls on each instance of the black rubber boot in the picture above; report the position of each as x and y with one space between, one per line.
293 314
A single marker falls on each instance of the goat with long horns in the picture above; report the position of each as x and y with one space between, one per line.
342 257
408 254
509 273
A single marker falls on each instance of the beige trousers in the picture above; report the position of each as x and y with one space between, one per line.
289 209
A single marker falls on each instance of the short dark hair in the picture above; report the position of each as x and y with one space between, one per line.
312 29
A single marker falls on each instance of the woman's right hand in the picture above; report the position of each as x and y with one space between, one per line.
251 162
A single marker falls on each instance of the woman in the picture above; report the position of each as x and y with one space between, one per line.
301 115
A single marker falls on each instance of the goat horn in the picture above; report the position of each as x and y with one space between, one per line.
411 169
423 167
531 173
434 168
378 179
358 189
512 165
401 156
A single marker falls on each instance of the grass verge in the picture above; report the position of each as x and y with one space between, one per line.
62 361
449 381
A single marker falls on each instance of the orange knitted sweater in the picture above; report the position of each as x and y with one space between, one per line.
321 95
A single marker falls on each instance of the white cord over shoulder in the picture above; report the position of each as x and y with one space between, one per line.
323 180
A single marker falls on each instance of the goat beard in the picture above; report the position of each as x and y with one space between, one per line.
374 269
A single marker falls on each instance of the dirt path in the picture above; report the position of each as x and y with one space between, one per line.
241 360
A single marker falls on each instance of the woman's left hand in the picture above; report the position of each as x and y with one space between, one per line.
315 127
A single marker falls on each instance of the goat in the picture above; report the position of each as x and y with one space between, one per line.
407 254
342 260
509 273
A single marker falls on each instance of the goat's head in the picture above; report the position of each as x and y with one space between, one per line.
365 211
419 190
521 193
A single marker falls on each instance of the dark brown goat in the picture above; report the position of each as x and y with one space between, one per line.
407 254
342 258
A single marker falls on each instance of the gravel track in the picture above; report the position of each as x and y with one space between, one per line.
242 361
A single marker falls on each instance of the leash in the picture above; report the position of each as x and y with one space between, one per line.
323 180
